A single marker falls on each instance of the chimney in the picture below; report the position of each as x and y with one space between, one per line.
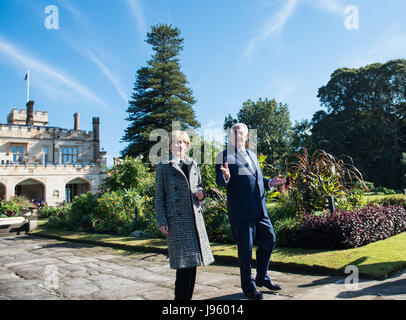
30 113
96 138
76 121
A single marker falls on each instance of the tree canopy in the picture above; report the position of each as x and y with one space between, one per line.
161 93
365 119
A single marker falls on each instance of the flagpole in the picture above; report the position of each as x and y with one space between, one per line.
28 85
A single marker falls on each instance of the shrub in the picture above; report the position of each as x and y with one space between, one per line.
47 212
389 200
127 174
60 219
116 212
370 186
347 229
15 207
314 178
384 190
217 224
82 212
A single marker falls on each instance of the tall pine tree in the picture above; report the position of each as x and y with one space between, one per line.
161 93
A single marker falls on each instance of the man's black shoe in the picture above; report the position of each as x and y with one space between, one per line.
270 285
254 294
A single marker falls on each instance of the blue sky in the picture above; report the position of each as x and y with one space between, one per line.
234 50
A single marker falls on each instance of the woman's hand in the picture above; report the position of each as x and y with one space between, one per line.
163 229
199 195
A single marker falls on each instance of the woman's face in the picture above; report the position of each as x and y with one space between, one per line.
179 147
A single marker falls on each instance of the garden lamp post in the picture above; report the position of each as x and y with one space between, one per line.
331 205
135 215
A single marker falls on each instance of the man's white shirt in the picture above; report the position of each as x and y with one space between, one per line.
247 160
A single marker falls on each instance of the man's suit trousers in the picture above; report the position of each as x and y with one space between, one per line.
247 233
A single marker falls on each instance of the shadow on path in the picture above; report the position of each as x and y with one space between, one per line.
387 288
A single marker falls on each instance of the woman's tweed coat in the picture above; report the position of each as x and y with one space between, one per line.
177 207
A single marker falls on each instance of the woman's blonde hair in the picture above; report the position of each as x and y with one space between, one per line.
179 133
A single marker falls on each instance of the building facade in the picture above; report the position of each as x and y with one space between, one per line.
48 163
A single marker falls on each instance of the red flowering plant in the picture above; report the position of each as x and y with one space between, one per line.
312 179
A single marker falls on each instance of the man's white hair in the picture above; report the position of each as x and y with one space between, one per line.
239 124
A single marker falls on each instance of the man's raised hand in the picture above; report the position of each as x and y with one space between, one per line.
276 181
226 171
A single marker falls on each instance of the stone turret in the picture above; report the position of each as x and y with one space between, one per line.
27 116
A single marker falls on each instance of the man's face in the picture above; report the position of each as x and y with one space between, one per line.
239 136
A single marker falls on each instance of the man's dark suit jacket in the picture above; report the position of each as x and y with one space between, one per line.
245 192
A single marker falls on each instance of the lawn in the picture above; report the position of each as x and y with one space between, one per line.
377 260
378 196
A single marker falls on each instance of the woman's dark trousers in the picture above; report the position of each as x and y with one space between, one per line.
185 283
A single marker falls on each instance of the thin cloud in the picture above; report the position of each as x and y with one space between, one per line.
86 52
274 25
135 8
48 78
111 77
331 6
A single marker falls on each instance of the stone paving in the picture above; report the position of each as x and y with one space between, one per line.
34 268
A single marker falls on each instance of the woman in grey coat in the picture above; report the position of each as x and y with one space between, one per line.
179 215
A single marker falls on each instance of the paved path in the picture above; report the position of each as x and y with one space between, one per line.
39 268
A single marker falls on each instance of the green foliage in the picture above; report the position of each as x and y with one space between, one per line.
129 173
384 190
131 176
369 185
116 212
403 169
111 212
15 207
208 167
161 93
366 119
47 212
398 199
313 179
302 137
216 219
82 212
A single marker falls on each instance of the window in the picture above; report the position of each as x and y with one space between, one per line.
68 154
45 151
71 190
18 152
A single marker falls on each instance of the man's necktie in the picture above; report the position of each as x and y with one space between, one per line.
246 160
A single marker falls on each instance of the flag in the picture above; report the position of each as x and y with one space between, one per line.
26 75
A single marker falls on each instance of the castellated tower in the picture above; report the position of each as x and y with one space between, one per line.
45 163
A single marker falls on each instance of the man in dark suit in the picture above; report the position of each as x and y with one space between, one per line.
238 169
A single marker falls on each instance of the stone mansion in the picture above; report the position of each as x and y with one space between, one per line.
48 163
